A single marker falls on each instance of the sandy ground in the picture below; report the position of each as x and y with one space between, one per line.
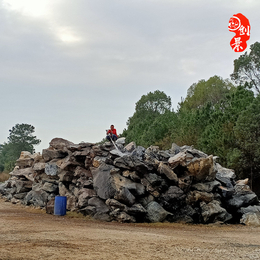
26 233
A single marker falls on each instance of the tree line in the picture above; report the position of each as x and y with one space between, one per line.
218 116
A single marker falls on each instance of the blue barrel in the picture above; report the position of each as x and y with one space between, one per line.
60 205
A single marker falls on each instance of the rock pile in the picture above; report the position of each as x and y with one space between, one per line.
132 184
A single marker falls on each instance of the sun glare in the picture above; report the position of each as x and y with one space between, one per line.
34 8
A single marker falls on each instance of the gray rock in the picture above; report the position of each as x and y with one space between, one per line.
139 152
89 210
197 196
155 212
114 204
206 186
168 172
49 154
50 187
51 168
130 147
60 143
99 205
125 196
117 153
224 172
83 197
50 206
120 140
242 197
103 182
28 173
20 196
23 186
251 219
252 209
175 148
213 212
136 210
102 217
130 162
36 198
40 166
132 175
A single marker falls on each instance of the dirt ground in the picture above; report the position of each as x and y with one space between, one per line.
26 233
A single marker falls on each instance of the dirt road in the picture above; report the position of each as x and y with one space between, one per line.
27 234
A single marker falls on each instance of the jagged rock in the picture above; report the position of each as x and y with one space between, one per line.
103 182
25 160
23 186
168 172
225 192
49 154
130 147
251 219
119 181
137 210
242 197
249 209
102 217
122 217
50 187
84 195
226 182
20 196
117 153
213 212
40 166
153 179
114 204
89 210
183 215
175 149
198 196
206 186
185 183
66 176
181 158
225 172
36 198
156 213
51 168
202 169
28 173
146 200
120 140
130 162
132 175
71 199
50 206
79 171
98 160
138 152
99 205
242 182
60 143
125 196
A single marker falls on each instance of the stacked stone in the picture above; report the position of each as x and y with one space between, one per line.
132 184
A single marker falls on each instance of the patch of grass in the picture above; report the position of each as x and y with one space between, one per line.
4 176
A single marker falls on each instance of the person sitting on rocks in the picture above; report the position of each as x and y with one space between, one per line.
112 133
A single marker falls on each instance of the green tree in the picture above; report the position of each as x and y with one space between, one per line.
20 139
247 133
247 68
145 126
211 91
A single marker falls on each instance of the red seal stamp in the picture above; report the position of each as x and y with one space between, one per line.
240 25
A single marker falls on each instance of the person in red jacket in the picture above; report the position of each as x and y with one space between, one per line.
112 133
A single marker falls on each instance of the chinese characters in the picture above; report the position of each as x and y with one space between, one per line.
240 25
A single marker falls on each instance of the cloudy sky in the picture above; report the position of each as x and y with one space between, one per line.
72 68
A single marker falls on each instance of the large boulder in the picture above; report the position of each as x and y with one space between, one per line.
213 212
103 182
202 169
251 219
168 172
60 143
28 173
155 212
36 198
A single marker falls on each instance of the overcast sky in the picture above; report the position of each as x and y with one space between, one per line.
72 68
